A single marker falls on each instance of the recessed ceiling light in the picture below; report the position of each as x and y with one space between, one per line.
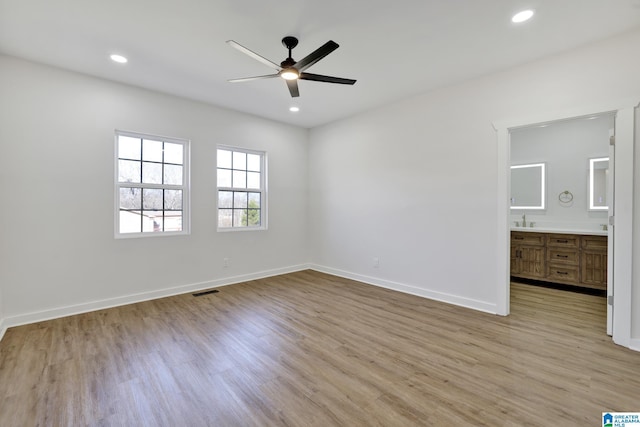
525 15
119 59
294 109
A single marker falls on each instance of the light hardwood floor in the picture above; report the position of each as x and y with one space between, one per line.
308 349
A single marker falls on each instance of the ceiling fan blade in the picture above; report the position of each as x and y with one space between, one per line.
326 79
248 79
316 55
293 88
254 55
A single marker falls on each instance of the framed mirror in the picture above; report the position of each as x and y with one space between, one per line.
528 186
598 184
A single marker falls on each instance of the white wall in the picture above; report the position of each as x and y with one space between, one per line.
565 147
58 252
415 183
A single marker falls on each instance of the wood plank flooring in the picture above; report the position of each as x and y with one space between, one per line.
309 349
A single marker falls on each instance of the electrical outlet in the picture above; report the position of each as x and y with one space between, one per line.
225 262
376 262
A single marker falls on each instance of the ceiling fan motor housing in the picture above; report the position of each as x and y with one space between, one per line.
290 42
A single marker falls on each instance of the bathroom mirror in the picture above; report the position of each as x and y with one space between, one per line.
598 183
528 186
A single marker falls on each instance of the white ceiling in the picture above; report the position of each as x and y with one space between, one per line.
395 49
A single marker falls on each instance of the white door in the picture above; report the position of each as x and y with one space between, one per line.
610 199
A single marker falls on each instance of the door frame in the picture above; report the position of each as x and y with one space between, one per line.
624 111
610 235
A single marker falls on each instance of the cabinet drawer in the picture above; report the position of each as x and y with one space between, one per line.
530 239
563 256
564 273
563 240
594 242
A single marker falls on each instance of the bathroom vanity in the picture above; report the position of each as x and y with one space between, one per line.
578 259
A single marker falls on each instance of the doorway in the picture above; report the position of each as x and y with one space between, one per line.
623 207
559 205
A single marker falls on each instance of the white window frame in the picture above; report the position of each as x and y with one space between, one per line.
262 190
185 187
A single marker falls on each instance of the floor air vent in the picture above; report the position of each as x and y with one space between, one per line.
212 291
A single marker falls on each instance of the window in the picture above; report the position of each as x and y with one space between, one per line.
152 193
241 189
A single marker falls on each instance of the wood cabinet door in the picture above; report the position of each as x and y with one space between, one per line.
532 261
594 269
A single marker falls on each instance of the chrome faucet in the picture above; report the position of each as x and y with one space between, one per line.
524 220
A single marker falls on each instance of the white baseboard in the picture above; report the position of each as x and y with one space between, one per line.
634 344
55 313
408 289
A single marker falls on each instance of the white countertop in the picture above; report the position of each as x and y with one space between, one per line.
560 230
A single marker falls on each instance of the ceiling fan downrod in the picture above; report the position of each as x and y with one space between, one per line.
290 43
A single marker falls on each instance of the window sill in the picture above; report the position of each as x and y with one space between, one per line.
232 229
150 234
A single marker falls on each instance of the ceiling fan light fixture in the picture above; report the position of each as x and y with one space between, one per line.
290 74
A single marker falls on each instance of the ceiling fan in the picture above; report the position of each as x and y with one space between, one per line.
289 69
